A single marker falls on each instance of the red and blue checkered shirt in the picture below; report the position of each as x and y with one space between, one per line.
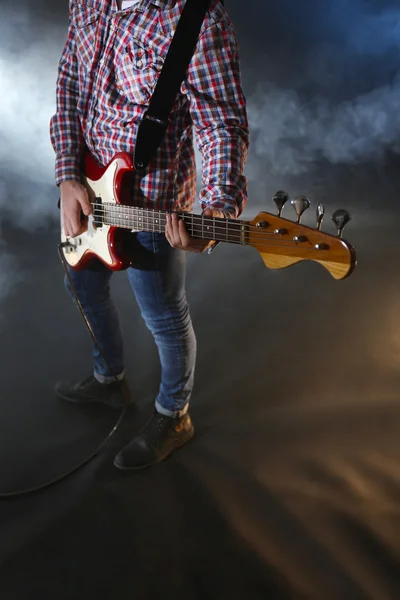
107 73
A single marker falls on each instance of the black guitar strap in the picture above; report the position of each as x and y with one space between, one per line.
155 121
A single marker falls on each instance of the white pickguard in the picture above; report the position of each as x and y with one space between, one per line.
93 239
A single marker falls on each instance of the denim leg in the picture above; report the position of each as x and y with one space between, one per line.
92 286
157 278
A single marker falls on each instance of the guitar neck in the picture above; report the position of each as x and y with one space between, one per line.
142 219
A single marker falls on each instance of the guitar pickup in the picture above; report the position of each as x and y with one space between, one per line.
98 213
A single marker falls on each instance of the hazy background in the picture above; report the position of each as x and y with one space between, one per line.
322 81
294 478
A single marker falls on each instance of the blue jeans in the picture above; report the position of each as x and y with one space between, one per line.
157 277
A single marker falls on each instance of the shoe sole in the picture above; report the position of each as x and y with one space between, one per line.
187 439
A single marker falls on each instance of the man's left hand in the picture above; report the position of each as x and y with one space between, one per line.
178 236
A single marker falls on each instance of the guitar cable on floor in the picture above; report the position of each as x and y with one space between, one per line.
72 470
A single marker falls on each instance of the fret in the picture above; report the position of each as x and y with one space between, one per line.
208 235
130 217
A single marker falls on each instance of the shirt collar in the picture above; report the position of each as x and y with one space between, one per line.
143 4
160 3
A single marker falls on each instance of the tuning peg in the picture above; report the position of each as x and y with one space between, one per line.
280 200
300 205
341 217
320 215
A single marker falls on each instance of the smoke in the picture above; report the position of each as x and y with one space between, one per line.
321 81
320 117
291 134
28 62
366 33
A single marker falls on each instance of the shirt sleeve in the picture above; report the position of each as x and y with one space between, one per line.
218 109
65 128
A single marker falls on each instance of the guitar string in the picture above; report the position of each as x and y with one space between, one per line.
233 235
237 228
210 222
217 222
150 213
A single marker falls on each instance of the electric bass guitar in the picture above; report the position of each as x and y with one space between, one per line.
281 242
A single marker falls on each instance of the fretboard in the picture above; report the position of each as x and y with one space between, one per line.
142 219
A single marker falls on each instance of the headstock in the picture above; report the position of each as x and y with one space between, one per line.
282 242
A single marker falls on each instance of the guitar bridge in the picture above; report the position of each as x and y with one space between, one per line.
71 245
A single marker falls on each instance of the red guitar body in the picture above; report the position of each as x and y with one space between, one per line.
109 184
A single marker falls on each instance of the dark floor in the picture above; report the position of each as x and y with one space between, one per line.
291 488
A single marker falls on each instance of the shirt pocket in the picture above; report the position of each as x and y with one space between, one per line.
137 72
86 22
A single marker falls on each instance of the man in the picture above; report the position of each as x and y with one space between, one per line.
107 72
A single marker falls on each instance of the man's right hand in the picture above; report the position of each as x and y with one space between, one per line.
74 201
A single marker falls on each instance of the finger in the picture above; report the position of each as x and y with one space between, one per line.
85 204
169 233
175 233
69 228
76 226
184 236
174 222
168 229
73 231
176 226
75 223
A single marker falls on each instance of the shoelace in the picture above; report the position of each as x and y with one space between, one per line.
87 381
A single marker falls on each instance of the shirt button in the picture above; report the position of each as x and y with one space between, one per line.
139 64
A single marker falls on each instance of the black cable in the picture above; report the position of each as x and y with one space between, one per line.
113 430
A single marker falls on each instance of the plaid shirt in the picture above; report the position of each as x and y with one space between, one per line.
107 72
